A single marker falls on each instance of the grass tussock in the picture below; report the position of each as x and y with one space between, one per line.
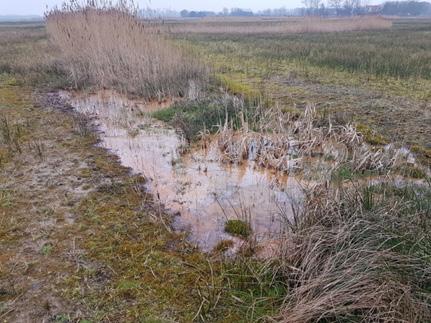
359 254
196 118
108 46
238 228
279 25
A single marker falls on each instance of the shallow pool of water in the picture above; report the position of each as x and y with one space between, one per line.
195 186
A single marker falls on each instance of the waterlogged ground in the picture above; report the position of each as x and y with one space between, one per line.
80 238
194 185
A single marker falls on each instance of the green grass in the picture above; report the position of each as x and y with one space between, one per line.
6 198
371 136
47 249
345 172
370 52
195 118
238 228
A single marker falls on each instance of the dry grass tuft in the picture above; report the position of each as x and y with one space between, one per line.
346 259
109 46
286 143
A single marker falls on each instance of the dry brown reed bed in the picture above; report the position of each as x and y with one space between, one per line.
284 143
108 46
277 26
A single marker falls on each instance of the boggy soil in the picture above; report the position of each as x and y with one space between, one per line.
80 239
191 181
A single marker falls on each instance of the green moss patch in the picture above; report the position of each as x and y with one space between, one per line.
238 228
371 136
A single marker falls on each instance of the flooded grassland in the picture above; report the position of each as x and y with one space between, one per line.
192 183
205 194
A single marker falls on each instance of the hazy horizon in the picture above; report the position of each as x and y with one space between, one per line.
38 7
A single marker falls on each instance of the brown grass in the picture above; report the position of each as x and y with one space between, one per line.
287 142
109 47
25 51
279 25
350 260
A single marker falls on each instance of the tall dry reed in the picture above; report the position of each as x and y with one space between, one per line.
108 46
286 143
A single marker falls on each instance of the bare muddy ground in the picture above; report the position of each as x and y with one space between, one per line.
39 188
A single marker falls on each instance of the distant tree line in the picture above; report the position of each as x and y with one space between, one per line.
311 8
406 8
360 7
235 12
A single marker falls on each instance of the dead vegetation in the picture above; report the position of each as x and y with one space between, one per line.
108 46
279 25
287 143
358 254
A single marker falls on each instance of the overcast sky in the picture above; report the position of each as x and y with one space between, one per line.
28 7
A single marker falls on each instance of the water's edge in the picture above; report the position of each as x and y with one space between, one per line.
196 187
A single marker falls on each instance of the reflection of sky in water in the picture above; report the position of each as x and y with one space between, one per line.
204 191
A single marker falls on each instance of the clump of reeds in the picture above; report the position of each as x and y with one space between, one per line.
357 254
284 143
108 46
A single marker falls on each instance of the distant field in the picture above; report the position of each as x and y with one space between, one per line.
379 79
26 51
276 25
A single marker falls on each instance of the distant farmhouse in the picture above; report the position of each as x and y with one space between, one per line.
373 9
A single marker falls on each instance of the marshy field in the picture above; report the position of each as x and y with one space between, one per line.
214 169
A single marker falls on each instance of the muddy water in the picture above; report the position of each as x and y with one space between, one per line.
201 191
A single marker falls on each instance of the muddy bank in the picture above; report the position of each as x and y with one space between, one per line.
194 185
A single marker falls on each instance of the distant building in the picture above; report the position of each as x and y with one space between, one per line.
373 9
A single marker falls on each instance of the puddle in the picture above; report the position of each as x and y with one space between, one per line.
199 190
